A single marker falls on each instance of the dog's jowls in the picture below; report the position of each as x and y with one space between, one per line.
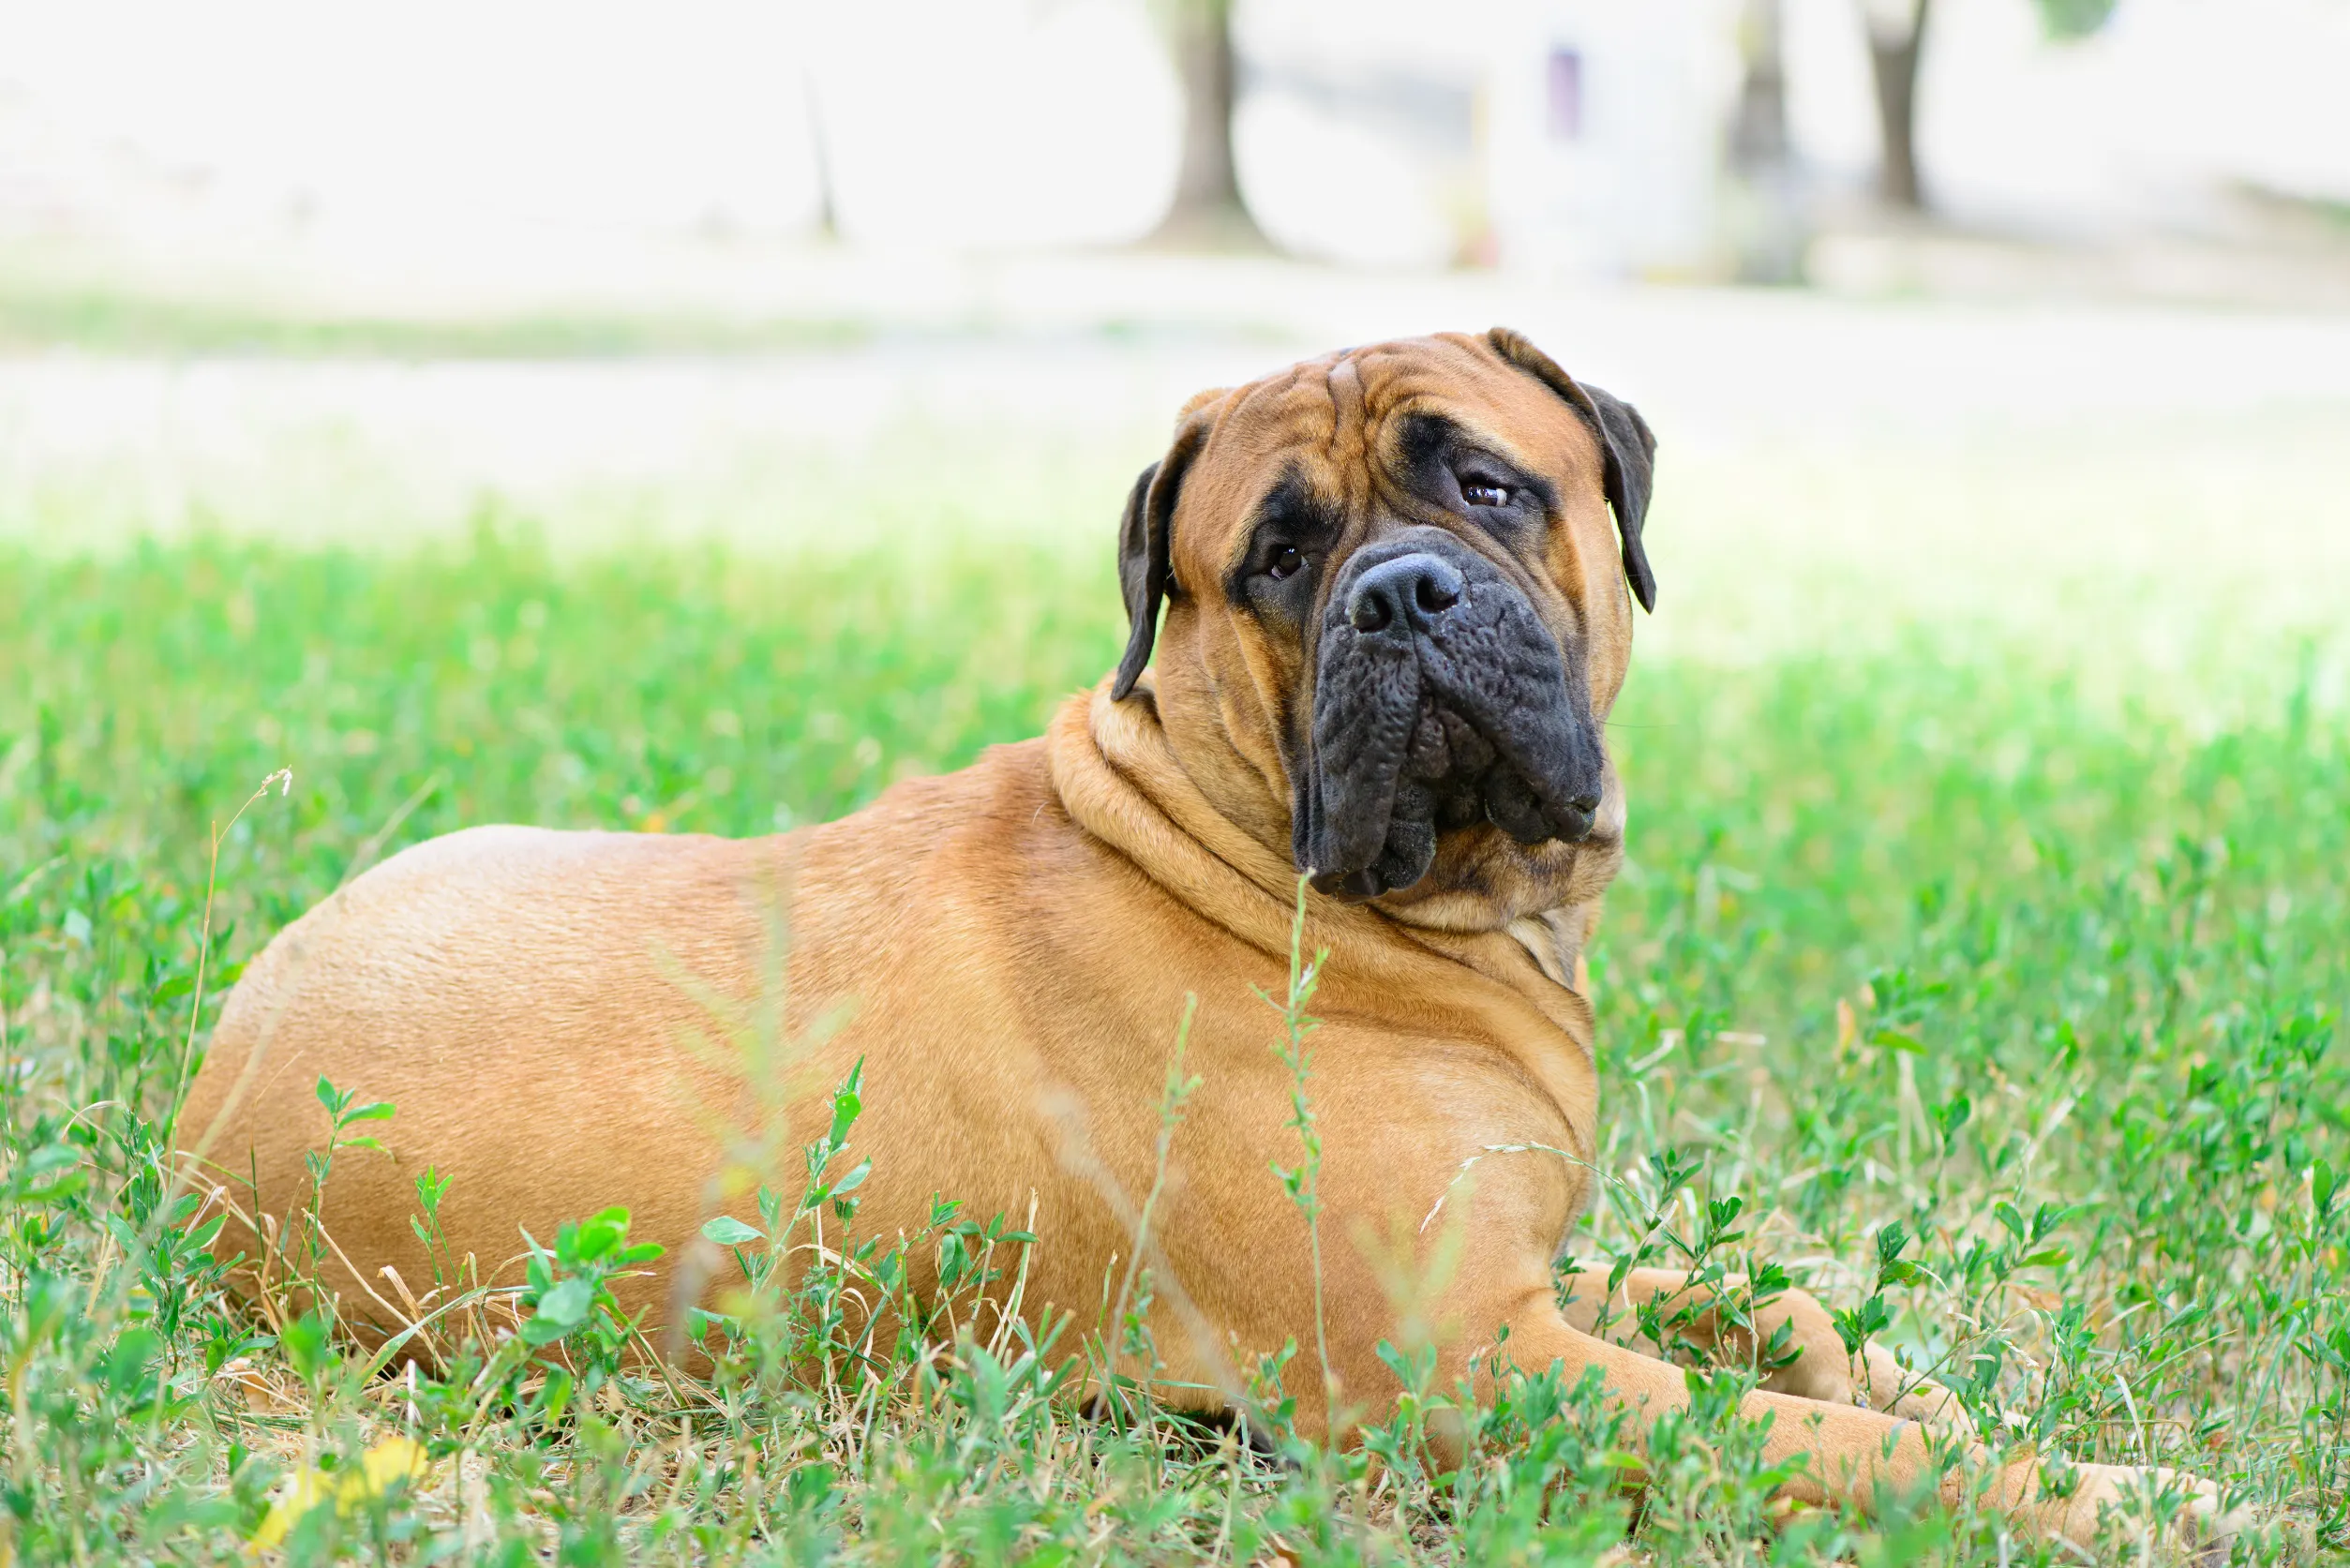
1440 701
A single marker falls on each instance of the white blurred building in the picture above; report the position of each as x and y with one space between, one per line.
1608 121
1578 135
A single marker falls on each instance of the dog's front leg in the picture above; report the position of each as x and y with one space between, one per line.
1852 1455
1793 1321
1851 1451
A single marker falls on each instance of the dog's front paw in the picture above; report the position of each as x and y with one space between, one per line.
2137 1503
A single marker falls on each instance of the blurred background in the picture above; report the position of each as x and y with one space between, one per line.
1975 309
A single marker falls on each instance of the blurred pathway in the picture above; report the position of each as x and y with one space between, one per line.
1830 469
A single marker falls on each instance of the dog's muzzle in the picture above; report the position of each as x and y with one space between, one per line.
1441 699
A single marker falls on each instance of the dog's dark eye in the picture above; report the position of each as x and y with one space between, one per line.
1285 563
1478 492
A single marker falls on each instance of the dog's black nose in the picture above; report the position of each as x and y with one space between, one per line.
1574 824
1402 592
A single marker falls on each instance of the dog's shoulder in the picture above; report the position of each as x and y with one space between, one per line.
998 821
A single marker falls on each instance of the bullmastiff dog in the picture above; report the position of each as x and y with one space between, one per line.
1397 587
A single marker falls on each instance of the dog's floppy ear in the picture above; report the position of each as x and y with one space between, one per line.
1145 576
1625 444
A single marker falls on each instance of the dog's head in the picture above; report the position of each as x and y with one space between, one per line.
1396 619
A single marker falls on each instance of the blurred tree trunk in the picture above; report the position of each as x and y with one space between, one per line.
828 217
1769 227
1207 208
1895 44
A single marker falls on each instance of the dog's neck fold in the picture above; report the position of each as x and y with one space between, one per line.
1120 780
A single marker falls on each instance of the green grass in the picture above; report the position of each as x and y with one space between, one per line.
36 315
1925 955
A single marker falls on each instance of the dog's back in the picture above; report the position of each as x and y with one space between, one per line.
568 1021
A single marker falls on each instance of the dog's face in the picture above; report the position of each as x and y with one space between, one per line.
1396 617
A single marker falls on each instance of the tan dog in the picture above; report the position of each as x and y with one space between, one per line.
1396 615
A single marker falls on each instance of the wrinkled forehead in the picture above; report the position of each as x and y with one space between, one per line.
1336 421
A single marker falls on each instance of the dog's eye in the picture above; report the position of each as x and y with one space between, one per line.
1478 492
1285 563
